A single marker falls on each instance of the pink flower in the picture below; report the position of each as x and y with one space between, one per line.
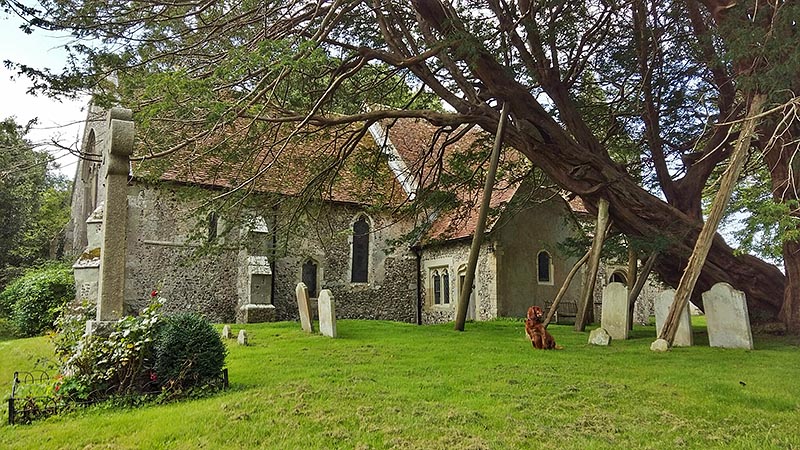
153 376
154 293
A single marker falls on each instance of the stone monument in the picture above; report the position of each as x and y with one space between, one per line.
727 317
303 306
615 312
683 336
111 284
327 314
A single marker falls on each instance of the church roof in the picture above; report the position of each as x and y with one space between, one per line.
310 164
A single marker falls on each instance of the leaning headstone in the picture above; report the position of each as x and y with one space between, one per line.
615 312
303 306
727 318
599 336
327 314
660 346
242 340
226 332
683 335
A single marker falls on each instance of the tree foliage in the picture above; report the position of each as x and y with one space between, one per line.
34 203
612 99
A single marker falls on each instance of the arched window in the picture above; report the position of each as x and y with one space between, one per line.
437 288
446 287
360 261
544 266
212 226
618 277
310 277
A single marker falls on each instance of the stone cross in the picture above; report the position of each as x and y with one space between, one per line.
304 308
111 286
727 318
615 311
327 314
683 336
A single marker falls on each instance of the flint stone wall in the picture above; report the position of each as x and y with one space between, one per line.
389 294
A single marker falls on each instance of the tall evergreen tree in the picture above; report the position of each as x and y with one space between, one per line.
636 102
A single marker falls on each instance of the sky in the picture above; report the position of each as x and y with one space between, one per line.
60 120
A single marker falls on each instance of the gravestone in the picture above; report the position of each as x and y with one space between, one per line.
226 332
242 339
304 308
727 318
615 311
659 346
599 336
327 314
111 286
683 336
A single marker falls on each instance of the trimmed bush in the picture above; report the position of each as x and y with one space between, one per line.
188 352
33 300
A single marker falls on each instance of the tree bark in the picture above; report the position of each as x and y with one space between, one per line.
578 166
477 237
636 289
586 302
704 241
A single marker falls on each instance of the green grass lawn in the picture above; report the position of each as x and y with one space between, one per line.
392 385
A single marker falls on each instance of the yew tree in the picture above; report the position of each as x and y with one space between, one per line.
636 102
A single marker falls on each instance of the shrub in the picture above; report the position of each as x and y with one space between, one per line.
33 300
188 353
118 363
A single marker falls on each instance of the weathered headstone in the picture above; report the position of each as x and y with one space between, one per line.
615 311
111 287
304 308
242 339
599 336
226 332
727 318
683 336
660 346
327 314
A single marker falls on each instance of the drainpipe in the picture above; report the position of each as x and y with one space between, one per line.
417 251
274 251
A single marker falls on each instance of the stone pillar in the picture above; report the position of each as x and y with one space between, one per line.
115 216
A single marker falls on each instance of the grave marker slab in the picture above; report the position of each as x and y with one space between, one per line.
327 314
615 312
599 336
226 332
242 339
303 306
683 336
727 318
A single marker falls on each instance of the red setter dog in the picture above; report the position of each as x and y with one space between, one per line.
540 338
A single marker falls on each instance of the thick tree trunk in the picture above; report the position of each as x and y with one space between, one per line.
790 310
578 162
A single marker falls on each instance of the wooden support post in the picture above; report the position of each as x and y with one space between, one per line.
480 228
633 266
564 288
703 244
641 279
594 264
